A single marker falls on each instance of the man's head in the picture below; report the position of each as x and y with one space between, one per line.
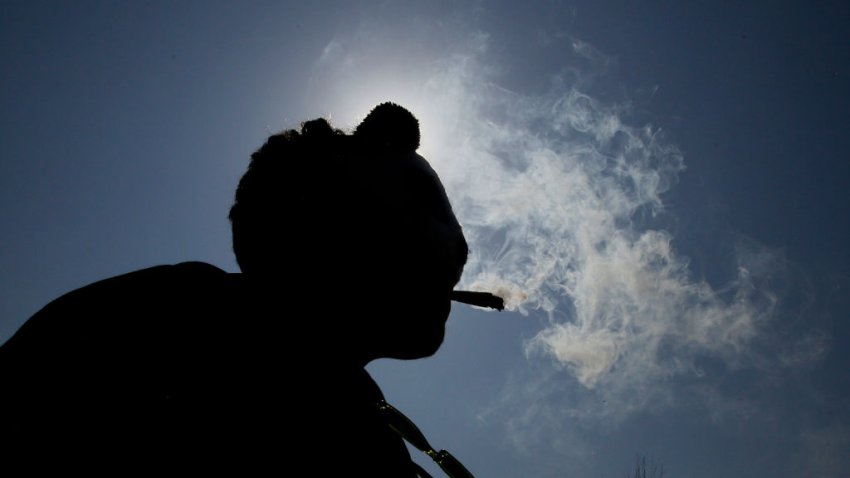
361 218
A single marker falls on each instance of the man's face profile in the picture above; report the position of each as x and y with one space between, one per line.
419 261
358 225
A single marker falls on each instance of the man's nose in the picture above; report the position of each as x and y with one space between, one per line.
457 251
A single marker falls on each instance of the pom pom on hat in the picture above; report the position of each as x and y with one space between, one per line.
391 126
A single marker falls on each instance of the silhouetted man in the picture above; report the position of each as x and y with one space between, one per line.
349 251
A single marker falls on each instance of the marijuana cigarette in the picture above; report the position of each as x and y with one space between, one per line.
478 299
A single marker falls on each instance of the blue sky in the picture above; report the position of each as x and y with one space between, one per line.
660 188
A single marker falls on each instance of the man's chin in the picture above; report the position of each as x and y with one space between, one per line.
418 334
423 345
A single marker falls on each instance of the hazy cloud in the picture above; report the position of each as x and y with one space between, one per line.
823 451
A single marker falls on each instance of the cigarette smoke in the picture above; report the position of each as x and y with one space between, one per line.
552 191
556 193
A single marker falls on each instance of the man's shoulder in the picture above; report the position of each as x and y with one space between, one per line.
148 284
115 299
182 270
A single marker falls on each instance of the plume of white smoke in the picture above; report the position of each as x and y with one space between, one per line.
553 191
550 190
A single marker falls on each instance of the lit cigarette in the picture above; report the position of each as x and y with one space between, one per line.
478 299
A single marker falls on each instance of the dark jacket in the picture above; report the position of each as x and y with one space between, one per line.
174 367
